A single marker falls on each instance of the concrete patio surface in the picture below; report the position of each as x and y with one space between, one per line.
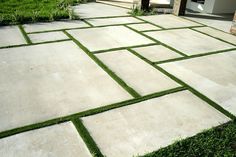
120 86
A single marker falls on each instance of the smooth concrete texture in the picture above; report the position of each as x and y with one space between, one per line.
104 38
113 21
214 76
141 76
189 41
42 82
11 35
157 53
169 21
149 125
144 27
56 25
218 34
57 140
92 10
45 37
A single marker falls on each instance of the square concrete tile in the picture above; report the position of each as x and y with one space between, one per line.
58 140
213 75
45 37
189 41
141 76
218 34
11 35
157 53
92 10
144 27
56 25
150 125
113 21
104 38
169 21
47 81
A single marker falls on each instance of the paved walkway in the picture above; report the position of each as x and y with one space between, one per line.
112 86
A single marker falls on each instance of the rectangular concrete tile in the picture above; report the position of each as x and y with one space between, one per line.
11 35
144 27
150 125
214 76
49 36
47 81
189 42
58 140
57 25
113 21
92 10
157 53
104 38
169 21
218 34
141 76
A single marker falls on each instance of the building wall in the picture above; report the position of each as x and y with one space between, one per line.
204 8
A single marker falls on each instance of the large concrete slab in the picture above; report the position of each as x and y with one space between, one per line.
11 35
157 53
58 140
149 125
214 76
218 34
144 27
189 41
46 37
113 21
104 38
47 81
57 25
169 21
92 10
141 76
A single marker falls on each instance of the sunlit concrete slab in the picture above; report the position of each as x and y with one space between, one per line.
105 38
144 27
189 41
141 76
152 124
169 21
157 53
218 34
11 35
47 81
58 140
214 76
92 10
113 21
56 25
48 36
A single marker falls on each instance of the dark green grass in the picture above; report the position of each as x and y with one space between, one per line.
24 11
217 142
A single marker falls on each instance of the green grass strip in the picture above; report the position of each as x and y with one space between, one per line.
91 145
87 113
105 68
25 34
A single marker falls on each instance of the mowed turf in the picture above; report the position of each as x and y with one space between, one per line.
24 11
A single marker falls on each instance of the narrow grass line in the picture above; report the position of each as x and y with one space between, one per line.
88 140
88 112
25 34
201 96
123 48
85 21
106 17
171 48
192 20
32 44
129 89
58 30
171 60
114 5
214 37
149 22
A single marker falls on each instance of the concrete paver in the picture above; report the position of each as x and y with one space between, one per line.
46 37
113 21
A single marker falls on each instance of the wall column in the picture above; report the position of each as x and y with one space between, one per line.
179 7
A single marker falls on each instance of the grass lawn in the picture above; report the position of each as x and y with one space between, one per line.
24 11
217 142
